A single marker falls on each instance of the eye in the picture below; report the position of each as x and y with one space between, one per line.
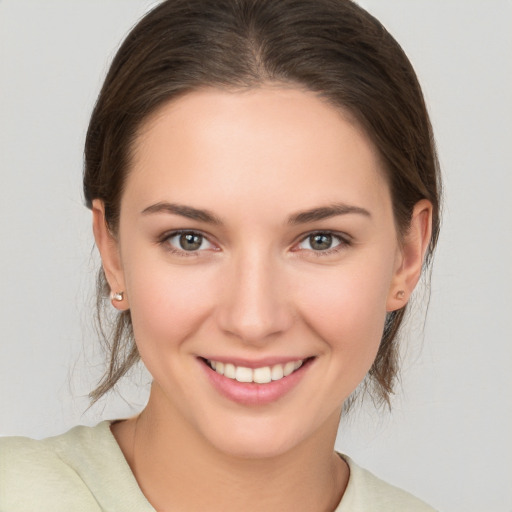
188 241
321 242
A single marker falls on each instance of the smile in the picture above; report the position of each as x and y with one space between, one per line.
256 383
262 375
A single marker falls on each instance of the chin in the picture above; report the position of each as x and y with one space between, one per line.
263 437
255 445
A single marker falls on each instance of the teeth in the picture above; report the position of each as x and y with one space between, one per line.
243 374
229 371
288 368
277 372
261 375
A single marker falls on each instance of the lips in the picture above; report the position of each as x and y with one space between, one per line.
253 383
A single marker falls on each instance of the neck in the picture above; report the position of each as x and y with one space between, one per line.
178 470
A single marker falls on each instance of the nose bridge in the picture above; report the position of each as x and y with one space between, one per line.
254 306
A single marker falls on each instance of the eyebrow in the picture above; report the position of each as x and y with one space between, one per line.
183 211
325 212
312 215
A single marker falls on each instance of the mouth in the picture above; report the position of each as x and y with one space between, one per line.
260 375
255 383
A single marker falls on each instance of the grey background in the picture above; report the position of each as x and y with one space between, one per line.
448 437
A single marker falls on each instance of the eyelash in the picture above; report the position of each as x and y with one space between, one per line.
164 241
343 239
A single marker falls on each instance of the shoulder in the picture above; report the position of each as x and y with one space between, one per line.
42 475
366 492
81 470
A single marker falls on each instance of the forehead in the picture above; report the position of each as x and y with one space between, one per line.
271 145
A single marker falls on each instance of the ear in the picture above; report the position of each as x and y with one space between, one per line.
110 256
411 255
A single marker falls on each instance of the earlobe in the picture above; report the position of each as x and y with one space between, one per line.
110 257
412 254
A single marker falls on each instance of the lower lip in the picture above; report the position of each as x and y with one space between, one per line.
251 393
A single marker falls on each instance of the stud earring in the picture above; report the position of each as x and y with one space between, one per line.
117 296
400 294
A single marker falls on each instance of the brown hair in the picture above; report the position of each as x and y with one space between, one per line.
331 47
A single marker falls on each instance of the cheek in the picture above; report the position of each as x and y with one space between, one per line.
168 303
347 309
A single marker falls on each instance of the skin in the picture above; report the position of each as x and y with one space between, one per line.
256 288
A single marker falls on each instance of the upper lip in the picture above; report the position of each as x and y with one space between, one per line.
255 363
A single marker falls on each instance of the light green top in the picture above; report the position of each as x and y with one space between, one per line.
84 470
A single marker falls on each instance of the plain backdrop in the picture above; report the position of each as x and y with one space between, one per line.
448 437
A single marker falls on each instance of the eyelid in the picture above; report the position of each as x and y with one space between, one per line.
165 237
344 239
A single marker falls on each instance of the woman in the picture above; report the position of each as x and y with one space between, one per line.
265 194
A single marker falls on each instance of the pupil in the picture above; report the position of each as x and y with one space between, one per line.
321 242
190 241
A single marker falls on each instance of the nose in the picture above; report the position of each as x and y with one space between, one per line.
254 305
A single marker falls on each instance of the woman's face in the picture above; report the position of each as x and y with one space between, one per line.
256 235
